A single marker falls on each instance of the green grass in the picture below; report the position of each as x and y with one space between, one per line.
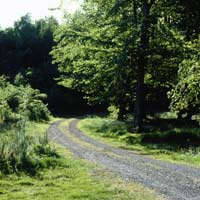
72 181
117 133
72 178
26 149
33 129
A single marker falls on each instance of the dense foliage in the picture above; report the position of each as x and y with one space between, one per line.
186 94
95 58
24 49
20 104
127 55
21 101
130 54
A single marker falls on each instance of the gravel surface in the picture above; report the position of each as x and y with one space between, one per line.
173 181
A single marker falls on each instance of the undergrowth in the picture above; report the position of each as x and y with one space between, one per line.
181 144
23 152
47 173
72 179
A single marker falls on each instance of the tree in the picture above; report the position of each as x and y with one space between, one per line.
185 94
142 62
190 18
96 58
120 52
21 51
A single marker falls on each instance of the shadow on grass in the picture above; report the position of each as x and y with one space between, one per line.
160 134
172 134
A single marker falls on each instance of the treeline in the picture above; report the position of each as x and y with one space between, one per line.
26 78
135 57
138 56
26 70
24 50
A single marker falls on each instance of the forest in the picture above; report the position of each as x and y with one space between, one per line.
129 70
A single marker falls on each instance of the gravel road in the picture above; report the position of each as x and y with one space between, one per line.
173 181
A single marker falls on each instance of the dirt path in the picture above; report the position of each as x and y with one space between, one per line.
175 182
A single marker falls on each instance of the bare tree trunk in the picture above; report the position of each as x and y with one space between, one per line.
139 111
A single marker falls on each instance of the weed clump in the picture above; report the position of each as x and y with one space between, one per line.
23 153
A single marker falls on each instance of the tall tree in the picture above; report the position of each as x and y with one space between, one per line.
119 51
99 65
142 62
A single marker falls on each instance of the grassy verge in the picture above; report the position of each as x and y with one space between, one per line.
117 134
24 148
70 178
72 181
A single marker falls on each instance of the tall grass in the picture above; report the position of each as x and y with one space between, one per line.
25 153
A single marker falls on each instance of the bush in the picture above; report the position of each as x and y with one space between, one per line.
130 138
26 154
185 94
18 101
113 112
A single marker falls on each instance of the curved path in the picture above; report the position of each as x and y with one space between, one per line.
173 181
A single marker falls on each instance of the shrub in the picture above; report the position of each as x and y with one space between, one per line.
130 138
18 101
26 154
107 127
185 94
113 112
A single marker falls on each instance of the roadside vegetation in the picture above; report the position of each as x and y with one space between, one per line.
19 150
34 168
163 139
71 179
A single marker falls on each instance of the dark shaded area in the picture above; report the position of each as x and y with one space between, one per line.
156 99
183 139
24 50
175 132
65 102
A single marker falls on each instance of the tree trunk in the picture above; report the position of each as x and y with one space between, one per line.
139 111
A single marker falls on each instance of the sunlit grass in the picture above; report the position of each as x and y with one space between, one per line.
117 134
71 179
75 180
